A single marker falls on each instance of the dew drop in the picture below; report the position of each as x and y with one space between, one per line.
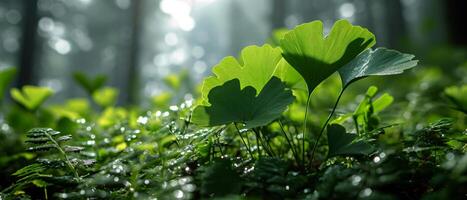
356 180
187 169
178 194
376 159
382 155
366 192
142 120
173 108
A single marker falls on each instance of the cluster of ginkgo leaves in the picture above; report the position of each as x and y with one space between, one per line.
165 152
257 88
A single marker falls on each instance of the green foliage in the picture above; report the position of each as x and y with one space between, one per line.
48 170
365 115
378 62
316 56
105 97
290 76
342 143
457 95
219 179
255 68
379 147
31 97
6 76
230 104
89 84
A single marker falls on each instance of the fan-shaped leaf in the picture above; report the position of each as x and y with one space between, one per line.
255 69
316 57
30 96
230 104
290 76
378 62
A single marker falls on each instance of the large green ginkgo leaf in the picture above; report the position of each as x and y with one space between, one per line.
378 62
342 143
230 103
255 69
290 76
30 96
316 57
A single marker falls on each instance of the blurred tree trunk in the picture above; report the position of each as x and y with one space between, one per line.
456 14
133 86
26 59
278 14
395 23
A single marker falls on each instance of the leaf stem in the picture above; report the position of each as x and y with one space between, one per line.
219 142
247 146
45 193
325 124
258 144
267 148
304 128
355 121
292 146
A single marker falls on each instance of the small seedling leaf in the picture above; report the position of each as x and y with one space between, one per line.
342 143
31 97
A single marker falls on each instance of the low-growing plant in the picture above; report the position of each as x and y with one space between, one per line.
254 131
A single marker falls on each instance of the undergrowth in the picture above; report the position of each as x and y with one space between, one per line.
287 120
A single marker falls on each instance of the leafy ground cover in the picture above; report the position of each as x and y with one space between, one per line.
292 119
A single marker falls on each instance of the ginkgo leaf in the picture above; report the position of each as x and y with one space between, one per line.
231 104
290 76
30 96
378 62
6 76
316 57
342 143
255 69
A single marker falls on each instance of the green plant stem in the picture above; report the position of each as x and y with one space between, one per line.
67 160
356 125
218 135
263 142
186 123
45 193
244 143
325 124
268 144
304 128
292 147
257 144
